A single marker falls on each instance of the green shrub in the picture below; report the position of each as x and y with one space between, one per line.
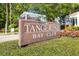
75 28
72 28
16 29
11 26
69 28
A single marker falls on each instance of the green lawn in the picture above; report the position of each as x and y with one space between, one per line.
54 47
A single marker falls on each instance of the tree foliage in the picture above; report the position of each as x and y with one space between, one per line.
50 10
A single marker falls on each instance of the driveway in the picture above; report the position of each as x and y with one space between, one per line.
4 38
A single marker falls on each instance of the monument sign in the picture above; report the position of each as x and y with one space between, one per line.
33 31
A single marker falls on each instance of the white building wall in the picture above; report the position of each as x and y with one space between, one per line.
78 19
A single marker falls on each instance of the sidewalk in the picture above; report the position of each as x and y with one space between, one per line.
4 38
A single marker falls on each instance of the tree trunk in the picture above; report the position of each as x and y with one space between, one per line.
10 13
6 25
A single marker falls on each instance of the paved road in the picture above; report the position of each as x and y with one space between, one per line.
4 38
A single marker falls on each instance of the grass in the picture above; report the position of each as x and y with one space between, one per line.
64 46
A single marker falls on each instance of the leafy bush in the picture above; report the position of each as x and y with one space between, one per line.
16 29
75 28
69 28
72 28
11 26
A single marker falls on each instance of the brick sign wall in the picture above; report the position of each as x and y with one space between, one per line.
33 31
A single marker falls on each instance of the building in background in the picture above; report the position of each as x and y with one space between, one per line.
69 20
33 16
72 19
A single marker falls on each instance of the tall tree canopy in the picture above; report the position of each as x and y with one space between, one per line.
50 10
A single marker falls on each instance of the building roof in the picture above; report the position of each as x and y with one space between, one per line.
34 15
31 14
74 14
